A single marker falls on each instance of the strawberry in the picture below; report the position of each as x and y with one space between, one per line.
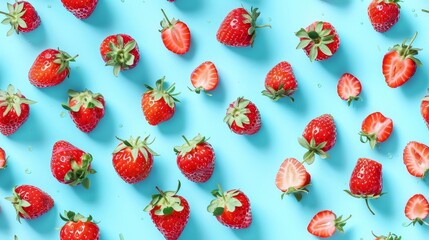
14 110
3 159
280 82
400 63
78 227
383 14
416 159
319 40
133 159
175 35
292 177
242 117
205 77
390 236
349 88
319 136
70 165
238 29
417 209
325 223
159 105
22 17
169 212
81 9
86 109
231 208
195 159
376 128
30 202
120 51
50 68
366 180
424 109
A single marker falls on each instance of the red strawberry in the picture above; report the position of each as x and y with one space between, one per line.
70 165
30 202
159 105
243 117
238 29
325 223
400 63
366 180
195 159
349 88
133 159
416 159
231 208
292 177
86 109
376 128
280 82
383 14
3 159
424 109
22 17
390 236
319 136
14 110
417 209
50 68
205 77
81 9
78 227
175 35
169 212
319 40
120 51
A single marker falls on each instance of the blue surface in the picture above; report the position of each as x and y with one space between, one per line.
246 162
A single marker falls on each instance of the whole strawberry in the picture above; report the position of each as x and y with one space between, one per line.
50 68
292 178
70 165
120 51
133 159
390 236
86 109
376 128
383 14
196 159
242 117
319 40
22 17
238 29
3 159
231 208
159 105
366 180
169 212
14 110
78 227
175 35
30 202
417 209
319 136
325 223
424 109
81 9
280 82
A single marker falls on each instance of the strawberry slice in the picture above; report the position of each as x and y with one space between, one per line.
3 159
205 77
417 209
325 223
376 128
349 88
416 159
292 177
175 35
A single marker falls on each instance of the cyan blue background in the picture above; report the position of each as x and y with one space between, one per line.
246 162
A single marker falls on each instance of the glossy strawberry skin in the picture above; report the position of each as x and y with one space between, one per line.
322 129
132 171
424 109
86 119
11 122
241 217
104 48
280 78
233 31
366 178
332 46
40 202
79 230
156 112
30 17
254 121
198 164
383 15
44 72
82 9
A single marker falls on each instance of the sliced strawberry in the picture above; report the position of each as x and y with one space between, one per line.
416 159
205 77
3 159
349 88
325 223
292 177
175 35
417 209
376 128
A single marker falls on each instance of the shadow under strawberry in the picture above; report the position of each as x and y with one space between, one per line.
415 88
261 139
177 124
98 18
145 187
383 206
404 27
300 104
391 149
338 155
31 132
36 38
339 63
92 194
193 229
100 133
349 233
253 232
46 223
261 50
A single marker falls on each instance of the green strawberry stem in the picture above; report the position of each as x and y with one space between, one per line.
351 99
186 140
313 149
411 42
162 194
7 14
369 208
371 137
417 220
166 18
18 204
424 10
340 223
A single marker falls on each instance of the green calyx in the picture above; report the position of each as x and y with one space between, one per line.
414 221
189 145
120 56
313 149
390 236
166 23
13 100
87 99
276 94
18 204
79 173
368 137
352 99
167 201
407 51
223 201
297 192
319 37
250 18
424 10
136 145
168 94
340 223
366 197
70 216
14 17
63 59
238 113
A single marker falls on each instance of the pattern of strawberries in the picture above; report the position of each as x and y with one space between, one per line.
248 163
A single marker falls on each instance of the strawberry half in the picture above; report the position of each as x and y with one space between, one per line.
325 223
22 17
242 117
292 177
400 63
376 128
3 159
280 82
175 35
205 78
417 209
78 227
349 88
80 9
424 109
416 159
383 14
390 236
